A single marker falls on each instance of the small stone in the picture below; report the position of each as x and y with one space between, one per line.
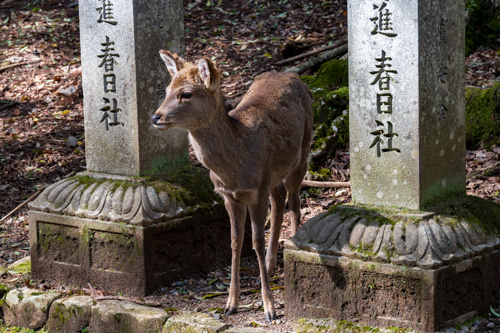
216 316
185 321
67 91
341 193
490 325
72 142
278 322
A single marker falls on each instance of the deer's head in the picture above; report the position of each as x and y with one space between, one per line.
192 96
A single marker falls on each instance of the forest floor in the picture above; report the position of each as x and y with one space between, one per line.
41 116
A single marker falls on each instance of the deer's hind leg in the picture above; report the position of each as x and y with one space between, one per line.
237 214
278 198
292 183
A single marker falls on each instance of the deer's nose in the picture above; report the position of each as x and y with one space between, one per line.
155 118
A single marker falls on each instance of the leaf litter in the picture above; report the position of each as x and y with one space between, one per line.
42 133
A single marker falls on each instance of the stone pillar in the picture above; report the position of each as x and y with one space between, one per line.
407 101
140 217
412 245
124 82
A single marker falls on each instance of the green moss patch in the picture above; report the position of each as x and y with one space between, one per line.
183 183
304 325
482 116
483 213
330 108
24 268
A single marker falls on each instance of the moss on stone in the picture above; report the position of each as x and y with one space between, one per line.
183 183
330 105
483 213
23 268
304 325
482 116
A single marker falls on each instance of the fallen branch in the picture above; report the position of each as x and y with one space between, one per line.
23 204
310 53
18 64
341 50
13 65
312 183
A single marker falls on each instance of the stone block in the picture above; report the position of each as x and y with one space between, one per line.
127 258
27 308
69 314
386 267
326 286
193 322
124 317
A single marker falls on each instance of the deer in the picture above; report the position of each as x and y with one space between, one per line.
256 151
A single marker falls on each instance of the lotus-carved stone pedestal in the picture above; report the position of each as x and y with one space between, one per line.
124 234
384 267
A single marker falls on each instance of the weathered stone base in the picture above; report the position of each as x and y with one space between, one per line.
382 267
125 258
326 286
125 234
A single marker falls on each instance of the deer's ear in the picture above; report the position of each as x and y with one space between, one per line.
173 62
208 73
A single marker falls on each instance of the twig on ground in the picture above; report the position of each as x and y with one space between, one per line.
18 64
13 65
318 60
313 183
22 205
311 53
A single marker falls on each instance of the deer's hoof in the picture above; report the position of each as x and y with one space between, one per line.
231 310
270 316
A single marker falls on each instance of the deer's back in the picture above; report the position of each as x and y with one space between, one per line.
278 101
276 120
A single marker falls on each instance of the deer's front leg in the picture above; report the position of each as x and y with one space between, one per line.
258 213
237 214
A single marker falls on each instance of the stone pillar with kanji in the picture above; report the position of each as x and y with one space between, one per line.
411 245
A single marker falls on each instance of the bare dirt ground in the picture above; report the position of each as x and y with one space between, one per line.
42 134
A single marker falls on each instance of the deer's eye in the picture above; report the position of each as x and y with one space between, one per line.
186 95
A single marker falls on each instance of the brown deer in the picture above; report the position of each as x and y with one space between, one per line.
257 150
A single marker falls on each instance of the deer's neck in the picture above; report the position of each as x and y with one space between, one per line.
218 146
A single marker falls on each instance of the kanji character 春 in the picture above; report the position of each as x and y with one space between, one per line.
108 60
383 76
